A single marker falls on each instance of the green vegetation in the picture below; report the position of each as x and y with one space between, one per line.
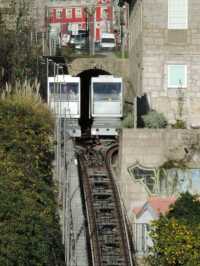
128 121
18 56
119 54
154 120
180 124
29 224
178 164
71 54
176 236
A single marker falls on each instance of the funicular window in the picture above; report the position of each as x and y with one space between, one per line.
64 91
107 91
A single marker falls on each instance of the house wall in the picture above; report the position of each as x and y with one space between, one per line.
160 47
102 21
146 217
135 47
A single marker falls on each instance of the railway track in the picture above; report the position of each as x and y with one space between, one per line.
108 237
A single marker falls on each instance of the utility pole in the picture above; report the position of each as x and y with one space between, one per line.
90 15
135 112
43 44
122 33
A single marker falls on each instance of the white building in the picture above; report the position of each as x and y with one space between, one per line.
143 216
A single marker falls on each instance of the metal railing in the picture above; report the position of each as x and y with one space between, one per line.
142 239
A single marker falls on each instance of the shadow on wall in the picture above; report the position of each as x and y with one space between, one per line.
143 108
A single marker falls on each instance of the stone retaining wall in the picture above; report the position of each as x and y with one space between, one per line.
152 148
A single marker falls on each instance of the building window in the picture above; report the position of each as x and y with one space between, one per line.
177 76
177 14
78 12
104 13
58 13
69 13
50 12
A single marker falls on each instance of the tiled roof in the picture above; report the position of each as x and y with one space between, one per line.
161 205
137 210
158 204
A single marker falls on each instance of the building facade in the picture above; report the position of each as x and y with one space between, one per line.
164 49
76 15
143 217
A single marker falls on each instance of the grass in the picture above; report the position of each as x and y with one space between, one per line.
118 54
27 94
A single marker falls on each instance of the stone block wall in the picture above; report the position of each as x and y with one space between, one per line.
136 47
114 66
161 47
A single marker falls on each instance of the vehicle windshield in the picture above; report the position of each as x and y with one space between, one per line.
64 91
108 40
79 39
107 91
83 33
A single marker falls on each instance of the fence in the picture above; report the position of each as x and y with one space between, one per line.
141 237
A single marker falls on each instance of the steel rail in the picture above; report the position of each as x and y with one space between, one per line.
109 242
89 213
129 253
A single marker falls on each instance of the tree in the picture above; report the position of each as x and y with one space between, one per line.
18 56
186 209
29 223
176 236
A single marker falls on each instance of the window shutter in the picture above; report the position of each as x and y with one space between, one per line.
177 14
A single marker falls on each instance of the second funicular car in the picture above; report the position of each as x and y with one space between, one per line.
64 100
106 105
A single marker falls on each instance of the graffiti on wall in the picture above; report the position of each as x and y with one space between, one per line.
166 181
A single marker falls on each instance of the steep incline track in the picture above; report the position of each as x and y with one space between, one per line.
109 242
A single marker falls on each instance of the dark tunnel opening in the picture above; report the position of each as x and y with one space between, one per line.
142 109
85 76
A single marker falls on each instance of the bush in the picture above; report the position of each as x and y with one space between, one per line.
29 227
154 120
176 236
180 124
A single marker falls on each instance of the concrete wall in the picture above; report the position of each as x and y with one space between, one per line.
152 148
160 47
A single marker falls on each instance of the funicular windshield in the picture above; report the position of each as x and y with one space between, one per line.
64 91
107 91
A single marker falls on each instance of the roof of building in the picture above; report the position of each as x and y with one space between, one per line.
137 210
160 205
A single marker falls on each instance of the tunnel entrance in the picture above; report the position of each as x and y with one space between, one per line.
85 76
142 109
